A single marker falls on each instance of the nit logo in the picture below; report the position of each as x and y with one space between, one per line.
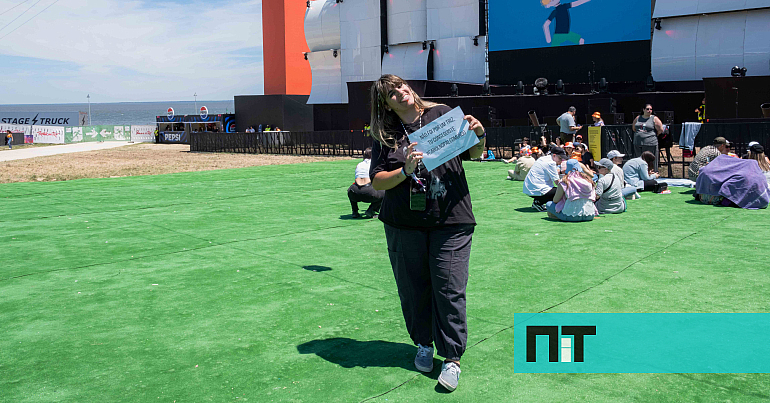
556 343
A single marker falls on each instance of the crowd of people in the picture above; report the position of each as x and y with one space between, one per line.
565 179
428 218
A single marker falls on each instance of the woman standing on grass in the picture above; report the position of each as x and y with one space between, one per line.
428 224
647 127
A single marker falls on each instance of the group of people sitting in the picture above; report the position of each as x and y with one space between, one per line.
574 187
571 186
723 178
568 184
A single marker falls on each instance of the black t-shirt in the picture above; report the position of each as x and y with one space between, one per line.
587 157
448 199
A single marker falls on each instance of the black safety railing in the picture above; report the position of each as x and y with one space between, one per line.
503 141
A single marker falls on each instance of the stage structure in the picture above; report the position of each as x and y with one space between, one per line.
321 57
353 42
696 39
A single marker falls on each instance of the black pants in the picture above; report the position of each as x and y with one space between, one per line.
546 197
431 270
365 194
649 185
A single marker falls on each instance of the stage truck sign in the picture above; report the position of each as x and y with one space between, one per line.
48 134
444 138
41 118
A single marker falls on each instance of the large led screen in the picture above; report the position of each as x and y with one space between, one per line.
531 24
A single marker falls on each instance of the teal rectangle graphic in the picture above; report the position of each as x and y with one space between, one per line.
641 342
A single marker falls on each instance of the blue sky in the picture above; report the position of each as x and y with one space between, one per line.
129 50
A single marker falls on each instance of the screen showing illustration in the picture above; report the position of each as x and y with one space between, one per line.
531 24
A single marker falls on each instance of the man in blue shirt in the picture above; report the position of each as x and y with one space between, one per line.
561 14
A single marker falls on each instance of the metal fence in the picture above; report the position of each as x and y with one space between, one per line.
339 142
503 141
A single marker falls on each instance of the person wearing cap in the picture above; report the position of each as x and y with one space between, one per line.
540 182
523 165
575 195
617 160
706 155
567 125
637 172
598 121
609 189
757 153
647 127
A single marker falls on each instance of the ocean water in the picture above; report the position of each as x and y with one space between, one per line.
127 113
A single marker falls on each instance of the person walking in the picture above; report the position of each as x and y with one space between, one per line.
9 139
647 127
428 221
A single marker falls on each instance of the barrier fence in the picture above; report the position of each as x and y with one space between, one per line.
502 141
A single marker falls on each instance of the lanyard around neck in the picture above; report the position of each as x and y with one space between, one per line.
404 127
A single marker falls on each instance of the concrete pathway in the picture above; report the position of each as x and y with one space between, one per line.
32 152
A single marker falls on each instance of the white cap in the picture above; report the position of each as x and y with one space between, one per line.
752 143
614 154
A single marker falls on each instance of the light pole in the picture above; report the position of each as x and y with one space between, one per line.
196 102
89 109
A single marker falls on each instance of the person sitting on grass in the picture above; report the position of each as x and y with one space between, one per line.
586 157
523 165
638 173
757 153
362 191
733 182
609 189
575 195
706 155
524 146
540 182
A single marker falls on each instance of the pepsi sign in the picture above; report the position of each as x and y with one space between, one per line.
170 113
204 112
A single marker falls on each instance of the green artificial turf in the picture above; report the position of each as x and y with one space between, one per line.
255 285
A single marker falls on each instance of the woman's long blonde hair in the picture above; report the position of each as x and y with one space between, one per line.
761 160
385 122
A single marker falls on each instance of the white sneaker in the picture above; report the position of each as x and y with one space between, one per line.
450 376
424 358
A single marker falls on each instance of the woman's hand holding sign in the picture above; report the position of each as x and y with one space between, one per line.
478 129
475 125
412 159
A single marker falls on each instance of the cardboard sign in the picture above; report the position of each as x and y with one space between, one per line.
443 139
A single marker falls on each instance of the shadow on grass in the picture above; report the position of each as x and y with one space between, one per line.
316 268
350 353
351 217
527 210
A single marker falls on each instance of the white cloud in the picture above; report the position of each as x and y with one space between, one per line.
131 51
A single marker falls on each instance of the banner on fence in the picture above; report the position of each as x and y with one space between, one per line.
48 134
106 133
16 129
174 137
143 133
444 138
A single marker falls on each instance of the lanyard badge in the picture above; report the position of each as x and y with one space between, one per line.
418 192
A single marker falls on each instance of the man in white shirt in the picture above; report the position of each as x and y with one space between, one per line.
540 183
567 125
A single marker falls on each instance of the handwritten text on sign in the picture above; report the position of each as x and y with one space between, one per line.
443 139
